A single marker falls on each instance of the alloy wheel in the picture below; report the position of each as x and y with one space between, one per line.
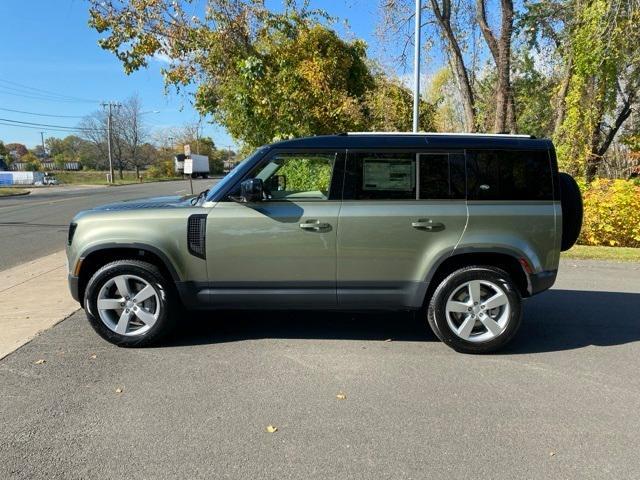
478 311
128 305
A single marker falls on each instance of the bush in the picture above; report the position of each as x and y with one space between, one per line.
611 213
161 169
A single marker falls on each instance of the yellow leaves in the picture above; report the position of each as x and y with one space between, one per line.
611 214
271 429
119 390
341 396
41 361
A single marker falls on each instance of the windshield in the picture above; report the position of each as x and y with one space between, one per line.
233 175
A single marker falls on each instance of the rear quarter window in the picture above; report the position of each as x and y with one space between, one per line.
509 175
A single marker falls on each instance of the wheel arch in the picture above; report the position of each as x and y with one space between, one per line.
95 257
514 263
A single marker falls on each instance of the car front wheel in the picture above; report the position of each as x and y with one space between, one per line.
476 309
130 303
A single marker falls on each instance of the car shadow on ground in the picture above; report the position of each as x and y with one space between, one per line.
553 321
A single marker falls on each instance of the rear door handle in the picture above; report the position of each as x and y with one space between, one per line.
428 225
315 225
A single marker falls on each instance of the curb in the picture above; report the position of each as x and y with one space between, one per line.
19 194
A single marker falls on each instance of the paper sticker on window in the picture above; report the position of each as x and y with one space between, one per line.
388 175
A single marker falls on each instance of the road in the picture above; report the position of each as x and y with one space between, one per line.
36 225
562 402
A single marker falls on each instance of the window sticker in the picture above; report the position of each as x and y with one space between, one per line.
388 175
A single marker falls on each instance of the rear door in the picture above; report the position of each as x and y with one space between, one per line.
401 212
280 251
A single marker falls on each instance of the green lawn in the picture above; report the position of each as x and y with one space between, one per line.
617 254
7 192
88 177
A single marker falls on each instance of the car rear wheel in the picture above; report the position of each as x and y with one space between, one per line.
475 309
130 303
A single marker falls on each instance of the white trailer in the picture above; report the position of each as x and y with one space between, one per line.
200 165
22 178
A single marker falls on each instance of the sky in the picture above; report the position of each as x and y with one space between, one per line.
49 53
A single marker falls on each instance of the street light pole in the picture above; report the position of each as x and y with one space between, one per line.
416 68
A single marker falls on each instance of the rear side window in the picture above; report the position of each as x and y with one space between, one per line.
509 175
396 176
441 176
380 176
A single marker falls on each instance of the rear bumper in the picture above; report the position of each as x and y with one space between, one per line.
73 287
539 282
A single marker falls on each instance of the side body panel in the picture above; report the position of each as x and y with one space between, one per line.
164 230
525 228
384 262
259 256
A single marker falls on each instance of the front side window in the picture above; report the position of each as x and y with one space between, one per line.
380 176
297 176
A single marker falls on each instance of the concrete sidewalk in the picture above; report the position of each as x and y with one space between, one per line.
33 297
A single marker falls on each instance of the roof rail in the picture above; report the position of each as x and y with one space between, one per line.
457 134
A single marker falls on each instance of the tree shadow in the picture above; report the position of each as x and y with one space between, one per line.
553 321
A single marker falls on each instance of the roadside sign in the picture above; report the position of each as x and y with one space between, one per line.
188 166
187 150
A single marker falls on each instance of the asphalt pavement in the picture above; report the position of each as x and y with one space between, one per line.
36 225
562 402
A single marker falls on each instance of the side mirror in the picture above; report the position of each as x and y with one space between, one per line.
252 190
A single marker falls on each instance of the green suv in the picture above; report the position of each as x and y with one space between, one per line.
457 227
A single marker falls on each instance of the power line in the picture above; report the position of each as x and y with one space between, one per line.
38 96
41 91
47 124
52 129
41 114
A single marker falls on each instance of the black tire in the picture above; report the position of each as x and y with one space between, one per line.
571 202
437 314
167 304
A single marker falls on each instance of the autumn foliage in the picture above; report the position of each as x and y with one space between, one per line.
611 213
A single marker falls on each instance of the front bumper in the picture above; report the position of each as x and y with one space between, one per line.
74 286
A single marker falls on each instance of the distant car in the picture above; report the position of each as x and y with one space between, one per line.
456 227
50 180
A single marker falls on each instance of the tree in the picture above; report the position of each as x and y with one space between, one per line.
128 132
389 107
598 44
17 150
32 162
133 133
263 75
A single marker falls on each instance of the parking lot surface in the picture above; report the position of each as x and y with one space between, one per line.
562 402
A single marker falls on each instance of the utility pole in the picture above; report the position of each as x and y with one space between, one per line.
198 136
111 106
416 67
44 153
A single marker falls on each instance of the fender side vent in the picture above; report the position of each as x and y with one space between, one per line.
196 235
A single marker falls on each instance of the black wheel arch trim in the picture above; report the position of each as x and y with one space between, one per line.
532 287
135 246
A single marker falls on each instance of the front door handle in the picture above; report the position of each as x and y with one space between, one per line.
428 225
315 225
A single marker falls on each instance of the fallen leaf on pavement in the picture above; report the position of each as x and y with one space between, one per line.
93 357
119 390
40 362
552 454
341 396
272 429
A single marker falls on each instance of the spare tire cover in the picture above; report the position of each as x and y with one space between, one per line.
571 201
